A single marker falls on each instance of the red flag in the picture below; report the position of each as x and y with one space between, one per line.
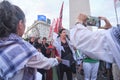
117 3
60 17
56 30
58 24
51 28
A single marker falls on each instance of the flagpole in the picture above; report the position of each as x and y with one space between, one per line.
116 15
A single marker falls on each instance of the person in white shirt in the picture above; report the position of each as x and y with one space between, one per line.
103 45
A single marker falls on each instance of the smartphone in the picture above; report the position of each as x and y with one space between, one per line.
93 21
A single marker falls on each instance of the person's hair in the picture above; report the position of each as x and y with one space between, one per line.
44 38
31 38
36 40
10 15
60 31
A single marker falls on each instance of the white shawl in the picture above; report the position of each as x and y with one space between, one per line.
98 45
57 44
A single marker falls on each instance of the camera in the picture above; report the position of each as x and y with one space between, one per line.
93 21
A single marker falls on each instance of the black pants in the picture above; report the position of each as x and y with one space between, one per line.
67 70
42 71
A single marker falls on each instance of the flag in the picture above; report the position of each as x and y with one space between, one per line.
56 30
51 28
60 17
58 24
117 3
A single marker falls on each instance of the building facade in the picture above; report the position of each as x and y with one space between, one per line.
38 29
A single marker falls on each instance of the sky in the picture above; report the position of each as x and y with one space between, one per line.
105 8
51 9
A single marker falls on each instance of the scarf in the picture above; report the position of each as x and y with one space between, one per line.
115 34
14 54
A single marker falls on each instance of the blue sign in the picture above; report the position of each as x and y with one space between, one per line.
41 18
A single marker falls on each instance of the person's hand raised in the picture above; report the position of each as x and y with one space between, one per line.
107 23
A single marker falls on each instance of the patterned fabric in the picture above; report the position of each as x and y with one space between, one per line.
116 34
14 54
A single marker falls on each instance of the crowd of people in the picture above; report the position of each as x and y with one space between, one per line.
21 60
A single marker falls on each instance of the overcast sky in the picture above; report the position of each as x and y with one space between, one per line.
105 8
51 8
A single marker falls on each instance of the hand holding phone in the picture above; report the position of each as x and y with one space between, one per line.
107 23
93 21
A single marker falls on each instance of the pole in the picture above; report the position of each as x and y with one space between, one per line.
116 14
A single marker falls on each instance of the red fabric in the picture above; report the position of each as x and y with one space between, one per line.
49 74
60 17
51 28
56 26
50 46
54 51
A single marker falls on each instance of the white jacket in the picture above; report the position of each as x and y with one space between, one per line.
98 45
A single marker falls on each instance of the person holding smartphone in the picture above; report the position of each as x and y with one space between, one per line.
103 45
93 21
